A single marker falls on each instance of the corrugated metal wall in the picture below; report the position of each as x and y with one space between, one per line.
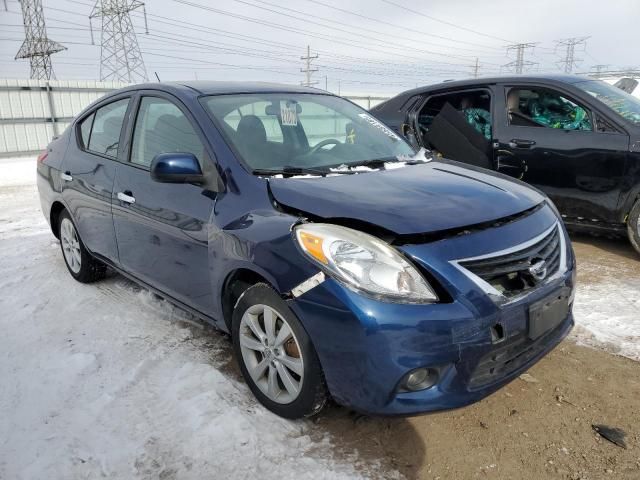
33 111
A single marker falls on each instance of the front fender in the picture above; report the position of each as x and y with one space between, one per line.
261 242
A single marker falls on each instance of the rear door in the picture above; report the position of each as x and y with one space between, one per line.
457 124
570 151
88 174
162 228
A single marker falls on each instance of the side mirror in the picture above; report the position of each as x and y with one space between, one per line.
176 168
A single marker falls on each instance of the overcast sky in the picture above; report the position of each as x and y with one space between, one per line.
364 46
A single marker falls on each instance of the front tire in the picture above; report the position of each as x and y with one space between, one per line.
633 226
81 265
276 355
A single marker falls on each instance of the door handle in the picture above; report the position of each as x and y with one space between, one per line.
126 197
66 176
518 143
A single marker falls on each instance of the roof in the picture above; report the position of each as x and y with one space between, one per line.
551 78
218 88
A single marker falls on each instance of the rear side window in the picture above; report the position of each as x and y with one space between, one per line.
161 127
472 105
85 129
102 134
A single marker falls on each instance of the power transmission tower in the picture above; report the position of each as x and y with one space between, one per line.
476 68
308 70
569 61
36 46
120 56
519 64
597 70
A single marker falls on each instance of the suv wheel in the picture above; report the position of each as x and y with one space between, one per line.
81 265
633 226
275 355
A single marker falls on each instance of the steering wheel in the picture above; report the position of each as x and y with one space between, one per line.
323 143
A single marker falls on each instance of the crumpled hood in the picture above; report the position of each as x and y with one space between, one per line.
411 200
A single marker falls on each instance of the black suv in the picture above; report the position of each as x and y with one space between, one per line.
575 138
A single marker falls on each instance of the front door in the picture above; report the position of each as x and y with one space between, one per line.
567 150
88 174
162 228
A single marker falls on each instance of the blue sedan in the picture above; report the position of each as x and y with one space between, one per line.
342 262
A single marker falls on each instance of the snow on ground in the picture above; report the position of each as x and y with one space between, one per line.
608 315
17 171
106 380
607 305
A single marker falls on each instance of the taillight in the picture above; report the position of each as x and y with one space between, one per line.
43 156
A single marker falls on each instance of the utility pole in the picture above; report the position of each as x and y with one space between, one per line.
476 69
569 61
519 64
308 70
36 46
120 56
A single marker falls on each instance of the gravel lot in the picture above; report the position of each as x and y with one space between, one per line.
109 381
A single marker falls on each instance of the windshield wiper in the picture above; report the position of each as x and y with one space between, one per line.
288 170
373 163
380 162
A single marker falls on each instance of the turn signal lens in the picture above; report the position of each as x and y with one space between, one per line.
312 244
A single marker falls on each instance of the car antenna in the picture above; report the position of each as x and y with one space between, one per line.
156 73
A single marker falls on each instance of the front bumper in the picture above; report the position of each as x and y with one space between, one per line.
366 347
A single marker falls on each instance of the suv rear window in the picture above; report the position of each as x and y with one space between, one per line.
100 132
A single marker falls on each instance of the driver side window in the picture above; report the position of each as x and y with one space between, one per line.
541 107
161 127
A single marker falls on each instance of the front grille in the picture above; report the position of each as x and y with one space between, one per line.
522 269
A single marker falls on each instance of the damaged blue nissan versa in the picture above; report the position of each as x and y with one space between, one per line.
343 263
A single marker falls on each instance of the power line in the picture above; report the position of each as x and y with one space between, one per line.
37 47
404 28
450 24
120 57
306 17
321 36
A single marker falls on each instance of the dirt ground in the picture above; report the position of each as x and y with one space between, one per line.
527 430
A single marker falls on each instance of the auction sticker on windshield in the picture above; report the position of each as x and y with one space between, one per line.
289 114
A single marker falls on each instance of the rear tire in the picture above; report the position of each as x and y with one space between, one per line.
81 265
633 226
276 355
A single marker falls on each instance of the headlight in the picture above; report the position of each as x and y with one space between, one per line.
363 263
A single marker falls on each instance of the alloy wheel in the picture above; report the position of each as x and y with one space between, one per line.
271 353
70 245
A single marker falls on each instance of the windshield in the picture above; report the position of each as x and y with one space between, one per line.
280 131
627 106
